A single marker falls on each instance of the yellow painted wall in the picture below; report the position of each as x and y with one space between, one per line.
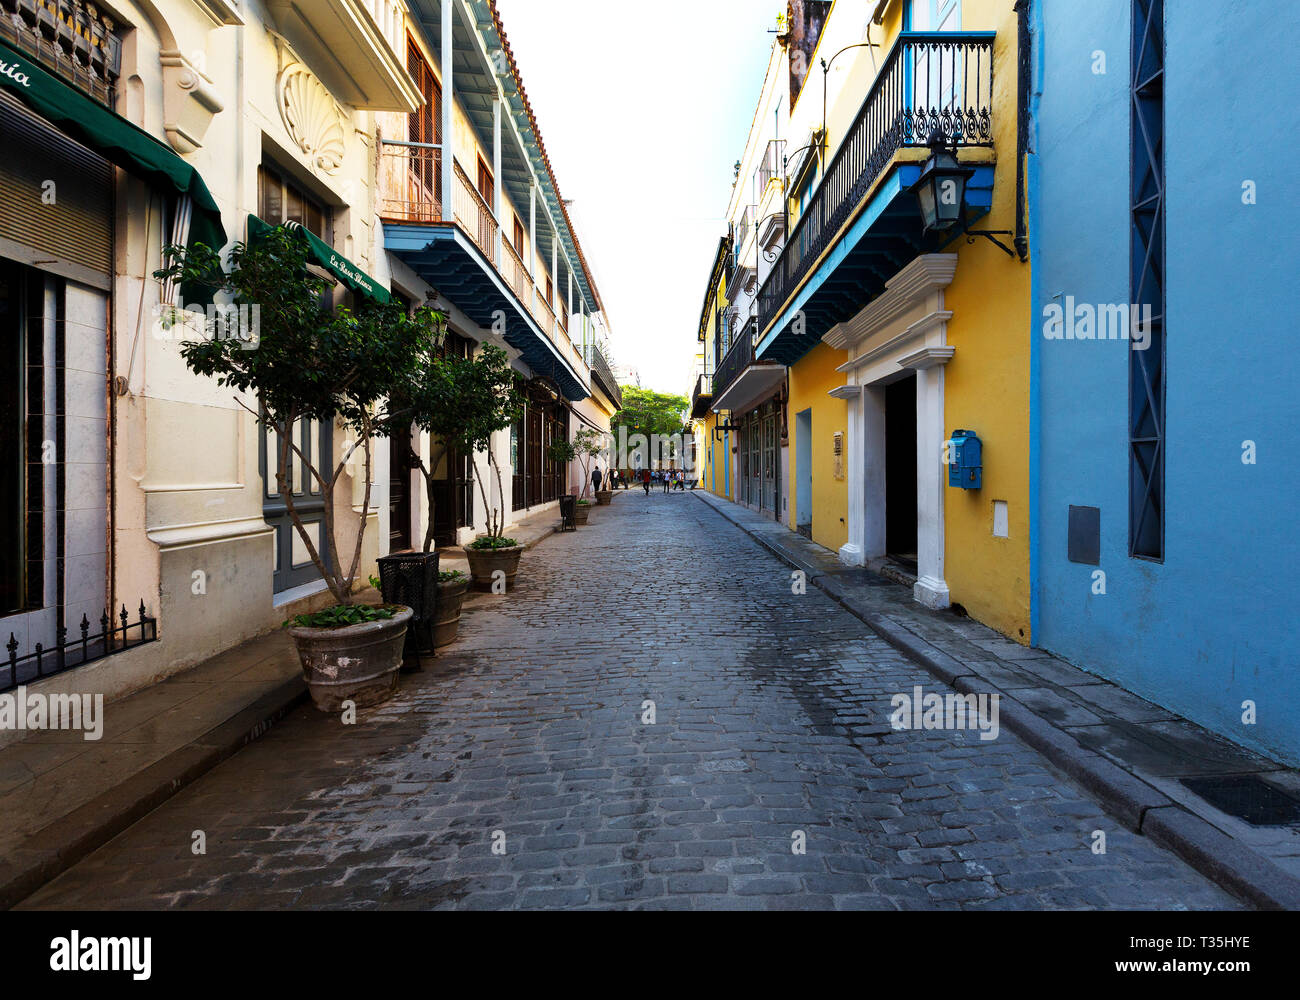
811 378
986 384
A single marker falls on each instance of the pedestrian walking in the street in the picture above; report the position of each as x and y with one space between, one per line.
596 478
645 480
667 480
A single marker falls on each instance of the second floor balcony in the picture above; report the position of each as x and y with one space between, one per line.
468 259
741 378
862 223
702 396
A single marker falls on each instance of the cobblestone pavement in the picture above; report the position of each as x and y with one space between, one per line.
771 718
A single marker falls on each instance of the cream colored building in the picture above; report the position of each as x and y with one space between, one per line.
143 485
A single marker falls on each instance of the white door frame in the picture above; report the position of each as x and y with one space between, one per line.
905 327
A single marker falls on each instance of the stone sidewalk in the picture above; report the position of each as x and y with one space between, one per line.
1128 752
62 796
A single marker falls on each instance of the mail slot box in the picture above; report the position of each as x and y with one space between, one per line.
965 461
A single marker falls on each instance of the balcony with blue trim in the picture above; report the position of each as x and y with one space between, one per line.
442 220
863 223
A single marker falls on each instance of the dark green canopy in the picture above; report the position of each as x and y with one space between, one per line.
334 262
114 138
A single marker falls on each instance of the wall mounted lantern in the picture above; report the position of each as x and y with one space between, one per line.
941 195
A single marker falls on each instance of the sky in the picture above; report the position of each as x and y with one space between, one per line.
643 109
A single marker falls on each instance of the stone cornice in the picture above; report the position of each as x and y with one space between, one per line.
925 275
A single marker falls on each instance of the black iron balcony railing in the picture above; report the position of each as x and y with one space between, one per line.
702 396
930 80
739 357
604 375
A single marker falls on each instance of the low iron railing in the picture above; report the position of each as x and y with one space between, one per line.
473 214
410 182
87 648
931 80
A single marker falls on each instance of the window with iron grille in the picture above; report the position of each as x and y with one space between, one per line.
1147 249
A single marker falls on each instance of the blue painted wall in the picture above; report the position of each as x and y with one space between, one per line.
1215 624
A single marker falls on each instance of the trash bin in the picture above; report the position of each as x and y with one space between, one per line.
411 578
568 512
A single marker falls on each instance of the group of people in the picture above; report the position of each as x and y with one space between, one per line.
669 479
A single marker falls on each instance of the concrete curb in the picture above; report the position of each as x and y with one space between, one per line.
1141 807
53 850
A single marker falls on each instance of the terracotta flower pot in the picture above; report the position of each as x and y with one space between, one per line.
483 563
603 497
446 622
357 663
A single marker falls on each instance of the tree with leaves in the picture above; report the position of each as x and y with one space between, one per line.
312 362
460 402
650 413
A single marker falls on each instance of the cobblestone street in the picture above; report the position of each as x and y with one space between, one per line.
532 725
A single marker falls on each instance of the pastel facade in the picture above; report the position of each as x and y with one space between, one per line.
154 490
1165 559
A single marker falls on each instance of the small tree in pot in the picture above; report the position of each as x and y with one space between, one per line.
314 363
485 387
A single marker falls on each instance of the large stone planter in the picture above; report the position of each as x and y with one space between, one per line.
484 563
603 497
446 622
583 512
357 663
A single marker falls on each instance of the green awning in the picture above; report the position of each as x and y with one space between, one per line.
333 261
114 138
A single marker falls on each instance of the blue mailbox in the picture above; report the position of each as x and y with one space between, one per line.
965 461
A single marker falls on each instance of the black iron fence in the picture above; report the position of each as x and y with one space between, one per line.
737 359
600 368
930 80
87 648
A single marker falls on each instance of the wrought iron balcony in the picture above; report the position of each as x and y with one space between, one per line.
738 357
702 396
930 80
604 377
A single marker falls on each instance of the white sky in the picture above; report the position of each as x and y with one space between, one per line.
644 108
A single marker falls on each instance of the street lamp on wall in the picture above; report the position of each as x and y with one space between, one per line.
941 189
941 195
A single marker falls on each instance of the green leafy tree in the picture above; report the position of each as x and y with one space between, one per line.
588 445
461 403
311 362
650 413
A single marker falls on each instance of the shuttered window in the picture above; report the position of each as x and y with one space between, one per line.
56 197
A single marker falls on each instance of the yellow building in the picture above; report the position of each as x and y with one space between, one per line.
883 330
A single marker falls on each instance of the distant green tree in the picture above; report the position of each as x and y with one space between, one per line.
650 413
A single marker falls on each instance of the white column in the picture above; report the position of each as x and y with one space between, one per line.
532 232
448 119
931 589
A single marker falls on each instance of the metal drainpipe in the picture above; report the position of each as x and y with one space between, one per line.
1022 123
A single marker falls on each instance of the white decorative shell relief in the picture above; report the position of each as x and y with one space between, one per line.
312 117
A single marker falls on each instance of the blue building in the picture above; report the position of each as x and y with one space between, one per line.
1165 550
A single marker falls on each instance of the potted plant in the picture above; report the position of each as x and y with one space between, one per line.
453 585
314 362
492 404
583 511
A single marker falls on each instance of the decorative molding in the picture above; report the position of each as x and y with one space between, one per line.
848 392
222 12
933 321
931 272
190 101
927 358
312 118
